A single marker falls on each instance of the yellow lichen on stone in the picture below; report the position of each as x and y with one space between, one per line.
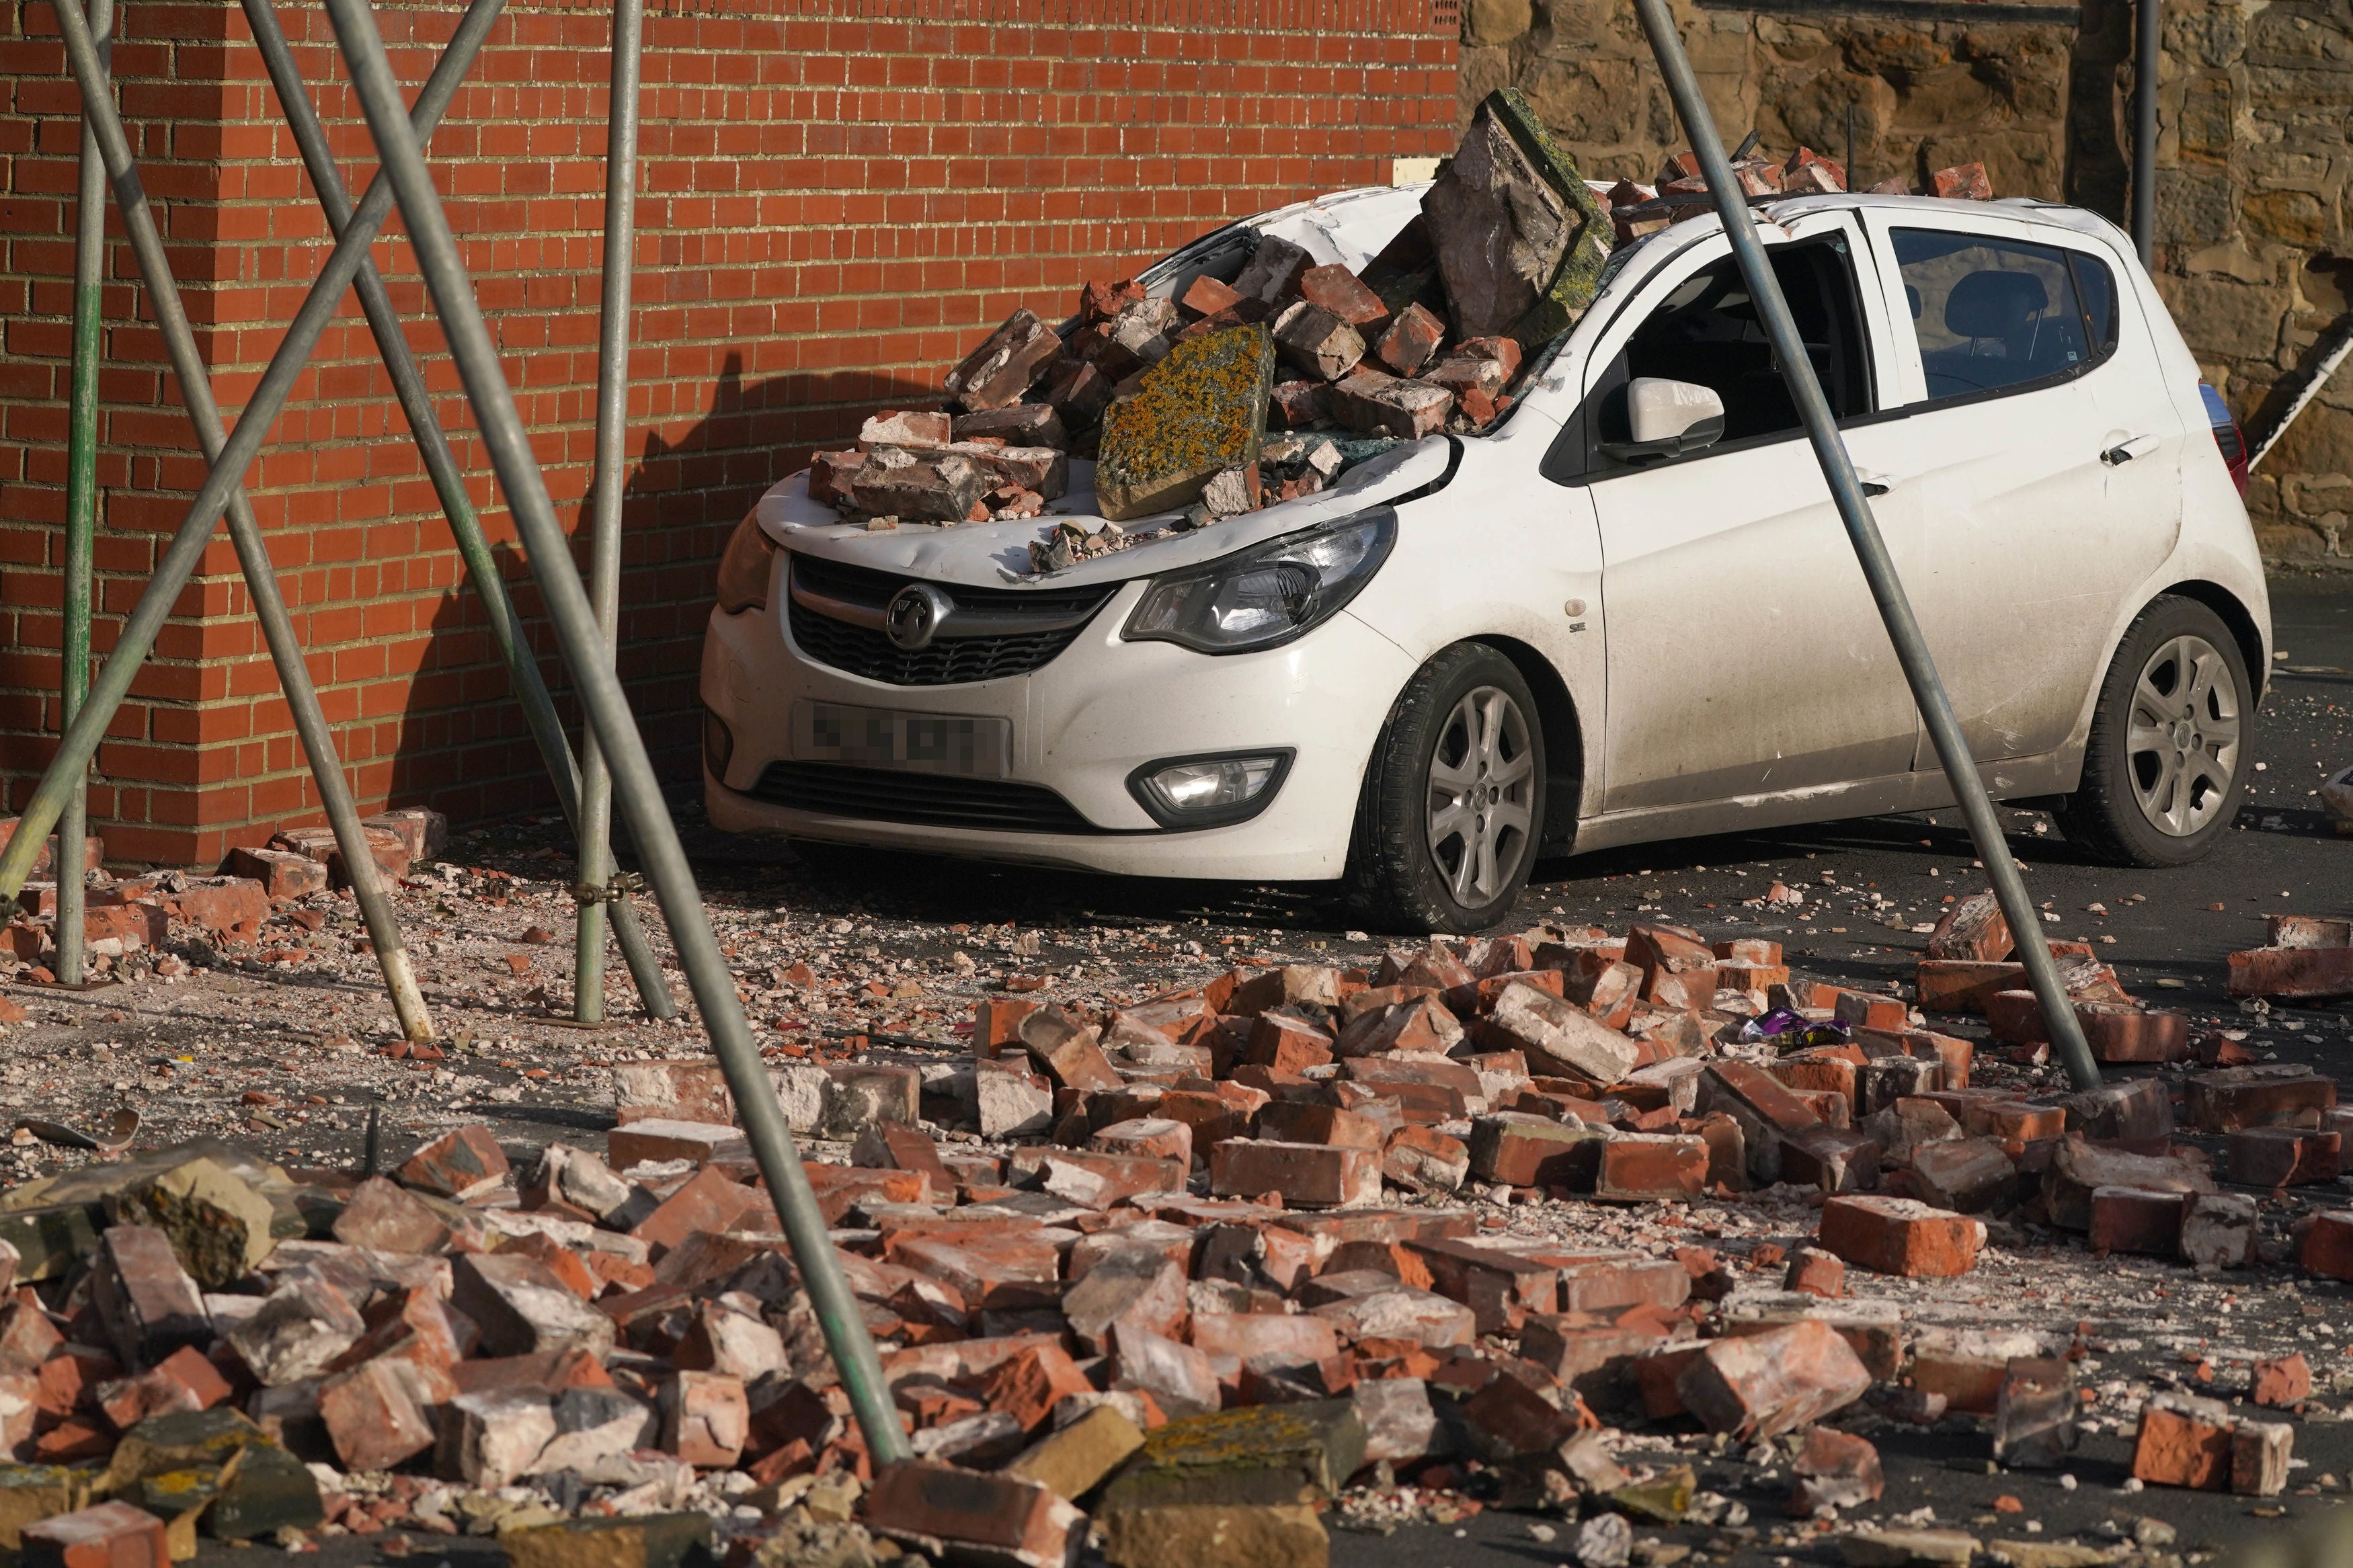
1197 413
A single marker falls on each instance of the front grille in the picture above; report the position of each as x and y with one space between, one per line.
932 800
948 661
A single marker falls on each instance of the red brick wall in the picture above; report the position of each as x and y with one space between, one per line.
837 200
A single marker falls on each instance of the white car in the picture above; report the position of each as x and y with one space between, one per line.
1582 628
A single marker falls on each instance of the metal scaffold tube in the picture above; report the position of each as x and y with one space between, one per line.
1871 550
2148 36
540 715
81 514
596 820
607 710
230 455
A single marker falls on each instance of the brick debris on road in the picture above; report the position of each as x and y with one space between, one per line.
1730 1211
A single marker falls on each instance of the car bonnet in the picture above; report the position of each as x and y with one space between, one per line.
996 554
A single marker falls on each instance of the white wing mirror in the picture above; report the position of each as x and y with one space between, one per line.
1668 417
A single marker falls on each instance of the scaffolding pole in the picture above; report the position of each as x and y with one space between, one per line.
596 820
81 516
222 492
636 786
448 484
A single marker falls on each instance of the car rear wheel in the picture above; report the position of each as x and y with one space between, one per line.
2166 764
1452 807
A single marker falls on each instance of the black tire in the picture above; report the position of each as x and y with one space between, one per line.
1399 878
2155 790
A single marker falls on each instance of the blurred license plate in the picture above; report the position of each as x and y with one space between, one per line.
918 743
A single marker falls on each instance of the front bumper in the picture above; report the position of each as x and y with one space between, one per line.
1081 724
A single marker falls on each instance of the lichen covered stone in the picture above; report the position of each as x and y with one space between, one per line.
1198 412
1520 240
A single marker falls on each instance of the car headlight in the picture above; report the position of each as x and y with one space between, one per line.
1266 595
743 568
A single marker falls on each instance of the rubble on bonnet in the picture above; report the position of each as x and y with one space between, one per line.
1173 397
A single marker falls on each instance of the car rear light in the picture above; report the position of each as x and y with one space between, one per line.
2226 435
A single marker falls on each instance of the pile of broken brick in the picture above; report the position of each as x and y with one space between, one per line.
127 921
1170 1277
1173 397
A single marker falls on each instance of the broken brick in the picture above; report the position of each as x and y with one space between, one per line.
460 1165
1008 363
1307 1175
2281 1156
2281 1381
1900 1235
1761 1385
2184 1441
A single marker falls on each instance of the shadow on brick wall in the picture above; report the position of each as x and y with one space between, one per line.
463 746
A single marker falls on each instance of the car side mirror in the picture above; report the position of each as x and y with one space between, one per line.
1666 418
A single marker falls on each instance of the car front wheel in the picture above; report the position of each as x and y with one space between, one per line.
1452 809
2166 764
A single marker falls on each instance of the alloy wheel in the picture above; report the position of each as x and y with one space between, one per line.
2182 742
1481 796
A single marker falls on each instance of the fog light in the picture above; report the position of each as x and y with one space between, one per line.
1209 792
718 745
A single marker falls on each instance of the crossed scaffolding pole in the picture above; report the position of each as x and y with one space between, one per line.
618 766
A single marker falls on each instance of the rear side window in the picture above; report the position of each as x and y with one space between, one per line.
2000 315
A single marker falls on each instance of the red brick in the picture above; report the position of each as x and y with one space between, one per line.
1761 1385
1816 1273
377 1414
1007 1519
2266 1095
2328 1246
1307 1175
1425 1161
1972 930
2281 1382
1647 1168
996 1022
2282 1156
460 1165
2129 1219
2291 972
1898 1235
109 1535
890 222
2184 1442
1029 1385
1411 342
283 876
706 1419
1835 1469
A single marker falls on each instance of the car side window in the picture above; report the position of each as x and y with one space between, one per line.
1708 332
2000 315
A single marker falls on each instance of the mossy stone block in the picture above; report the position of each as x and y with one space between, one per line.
1198 412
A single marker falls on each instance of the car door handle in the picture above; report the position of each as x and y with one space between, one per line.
1872 484
1874 487
2126 451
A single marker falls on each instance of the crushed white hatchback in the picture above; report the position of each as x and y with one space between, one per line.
1627 612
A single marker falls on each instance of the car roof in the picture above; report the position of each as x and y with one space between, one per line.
1327 225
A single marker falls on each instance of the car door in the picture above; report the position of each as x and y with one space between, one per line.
1745 655
2034 418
